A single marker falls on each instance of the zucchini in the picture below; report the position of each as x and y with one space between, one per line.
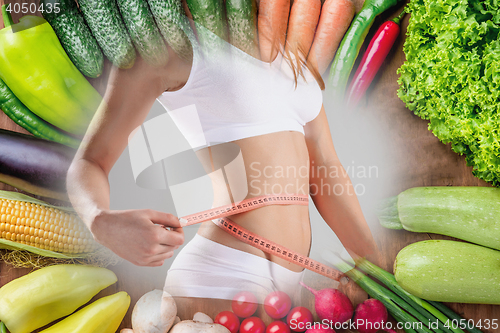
449 271
107 26
468 213
75 36
242 25
143 31
210 20
34 165
174 26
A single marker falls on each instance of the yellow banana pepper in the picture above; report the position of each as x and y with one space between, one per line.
102 316
47 294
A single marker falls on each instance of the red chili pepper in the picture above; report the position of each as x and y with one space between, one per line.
375 54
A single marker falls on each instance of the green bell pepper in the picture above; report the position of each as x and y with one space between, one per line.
102 316
36 68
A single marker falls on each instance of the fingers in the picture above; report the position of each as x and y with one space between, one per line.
152 255
160 245
155 260
172 237
160 259
140 236
167 220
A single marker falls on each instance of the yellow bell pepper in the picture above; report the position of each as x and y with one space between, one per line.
102 316
50 293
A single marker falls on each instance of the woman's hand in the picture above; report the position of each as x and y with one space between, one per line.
144 237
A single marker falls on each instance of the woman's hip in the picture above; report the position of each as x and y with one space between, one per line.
207 269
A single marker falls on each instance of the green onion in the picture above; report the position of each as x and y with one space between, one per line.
420 305
452 315
7 20
388 298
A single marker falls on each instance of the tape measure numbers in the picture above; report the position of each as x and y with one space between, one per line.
218 216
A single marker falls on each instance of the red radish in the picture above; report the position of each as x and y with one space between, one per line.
320 328
228 320
277 327
304 17
252 325
277 304
336 16
244 304
272 22
331 304
370 316
299 319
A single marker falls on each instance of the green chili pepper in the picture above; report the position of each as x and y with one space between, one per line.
35 67
3 329
22 116
351 44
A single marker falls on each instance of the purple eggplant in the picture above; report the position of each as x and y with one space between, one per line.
34 165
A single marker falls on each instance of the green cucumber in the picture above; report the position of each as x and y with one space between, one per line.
75 36
468 213
449 271
143 31
174 26
209 16
242 24
107 26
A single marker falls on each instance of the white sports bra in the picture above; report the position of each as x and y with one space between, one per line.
231 95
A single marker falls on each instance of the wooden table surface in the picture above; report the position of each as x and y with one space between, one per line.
422 161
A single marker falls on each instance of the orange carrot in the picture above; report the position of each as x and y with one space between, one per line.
336 16
304 18
272 22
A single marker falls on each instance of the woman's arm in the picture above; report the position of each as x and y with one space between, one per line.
131 234
334 196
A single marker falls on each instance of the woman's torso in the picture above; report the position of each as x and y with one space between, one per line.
275 163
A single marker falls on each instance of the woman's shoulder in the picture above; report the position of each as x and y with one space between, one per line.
175 74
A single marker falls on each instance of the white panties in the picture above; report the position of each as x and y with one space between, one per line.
207 269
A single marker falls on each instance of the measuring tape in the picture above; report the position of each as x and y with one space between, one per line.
244 206
218 216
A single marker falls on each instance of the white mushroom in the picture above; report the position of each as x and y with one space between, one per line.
203 318
154 312
190 326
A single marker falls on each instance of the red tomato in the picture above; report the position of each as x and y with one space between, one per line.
277 304
252 325
277 327
244 304
229 320
299 318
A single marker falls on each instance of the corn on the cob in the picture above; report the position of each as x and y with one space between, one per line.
44 227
